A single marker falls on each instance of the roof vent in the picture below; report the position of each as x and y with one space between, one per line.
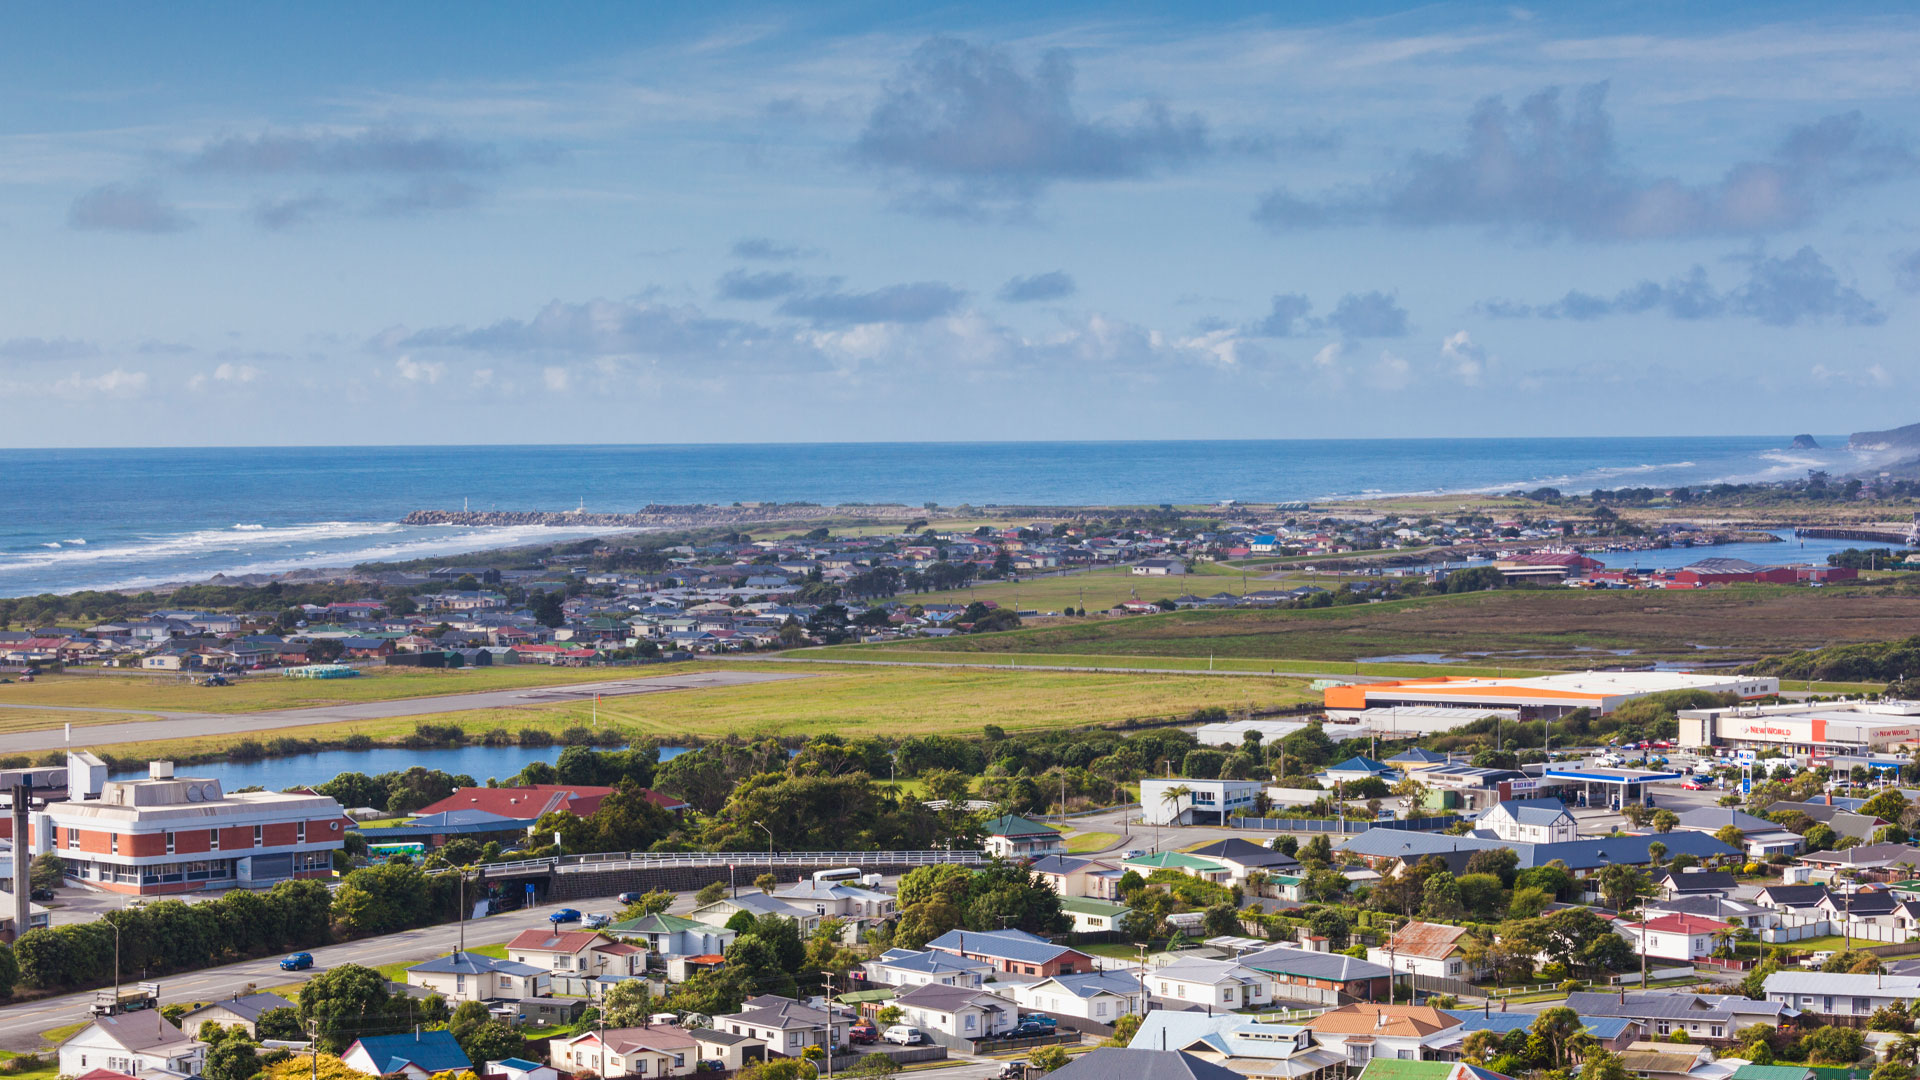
193 793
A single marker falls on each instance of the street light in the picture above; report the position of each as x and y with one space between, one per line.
769 836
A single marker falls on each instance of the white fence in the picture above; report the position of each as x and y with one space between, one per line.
646 860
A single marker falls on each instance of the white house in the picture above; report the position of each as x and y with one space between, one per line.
958 1012
134 1043
1071 876
1538 821
521 1069
1099 996
586 953
1159 568
849 903
785 1025
670 935
1426 949
1837 994
1094 916
906 967
655 1050
1674 937
465 976
1218 983
1014 837
1360 1032
1203 802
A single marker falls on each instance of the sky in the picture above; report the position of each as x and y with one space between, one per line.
261 224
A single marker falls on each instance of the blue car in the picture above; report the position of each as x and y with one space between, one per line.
299 961
564 915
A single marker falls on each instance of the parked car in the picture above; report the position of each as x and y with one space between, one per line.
1038 1018
42 894
864 1033
564 915
595 920
1012 1070
299 961
904 1035
1695 784
1033 1027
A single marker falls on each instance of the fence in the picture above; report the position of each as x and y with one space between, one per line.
1029 1042
1339 825
1440 984
645 860
1833 927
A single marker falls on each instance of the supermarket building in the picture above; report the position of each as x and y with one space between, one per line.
1812 729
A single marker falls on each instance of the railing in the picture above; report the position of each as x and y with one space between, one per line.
1338 825
1290 1016
647 860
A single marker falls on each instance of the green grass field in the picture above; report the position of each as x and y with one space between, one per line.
844 700
908 653
270 690
1081 843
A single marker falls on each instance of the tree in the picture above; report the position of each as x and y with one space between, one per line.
1048 1058
493 1041
711 894
1441 899
651 902
1664 821
1528 902
1888 805
346 1002
626 1004
1172 796
234 1058
1621 885
766 883
1555 1026
1221 920
1479 1047
1503 863
1124 1029
9 971
1834 1045
1604 1065
48 871
889 1015
281 1023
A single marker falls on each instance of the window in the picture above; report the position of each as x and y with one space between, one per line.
1717 1032
73 839
1183 989
169 841
113 844
213 839
300 833
970 1021
259 835
1358 1053
1861 1005
1227 995
1665 1027
1408 1055
561 963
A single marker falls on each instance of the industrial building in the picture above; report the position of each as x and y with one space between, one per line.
1814 729
1547 696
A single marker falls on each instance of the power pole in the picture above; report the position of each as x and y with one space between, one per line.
827 979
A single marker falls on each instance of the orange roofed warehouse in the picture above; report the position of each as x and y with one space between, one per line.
1548 696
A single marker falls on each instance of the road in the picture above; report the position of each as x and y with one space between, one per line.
21 1025
1346 676
187 725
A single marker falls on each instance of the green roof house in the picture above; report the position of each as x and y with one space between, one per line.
1015 837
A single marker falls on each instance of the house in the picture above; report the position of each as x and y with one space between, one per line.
1015 952
1897 861
1675 937
1702 1017
906 967
1092 916
1422 948
786 1026
757 904
1072 876
241 1011
733 1052
1243 857
1191 865
848 903
1416 760
1792 897
1159 568
1763 838
467 976
1382 848
1693 881
1016 837
520 1069
1357 767
1734 912
1211 983
649 1051
1099 996
1306 975
1873 907
1614 1033
670 935
1242 1044
1833 994
136 1042
576 952
1539 821
1127 1063
1361 1032
1843 822
415 1055
1189 801
956 1016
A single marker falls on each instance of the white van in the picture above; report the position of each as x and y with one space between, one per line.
904 1035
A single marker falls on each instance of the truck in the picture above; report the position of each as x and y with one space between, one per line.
125 999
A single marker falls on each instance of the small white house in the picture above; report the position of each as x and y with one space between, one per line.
1425 949
1536 821
1674 937
1099 996
1218 983
466 976
133 1043
907 967
958 1012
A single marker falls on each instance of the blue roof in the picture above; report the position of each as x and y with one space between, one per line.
1001 944
1500 1023
433 1051
520 1063
468 963
1577 854
1096 982
1419 754
932 961
1360 763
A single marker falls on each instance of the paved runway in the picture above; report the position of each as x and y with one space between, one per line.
187 725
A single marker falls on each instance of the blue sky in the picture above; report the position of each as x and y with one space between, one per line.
262 224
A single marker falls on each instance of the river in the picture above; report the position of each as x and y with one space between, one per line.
278 773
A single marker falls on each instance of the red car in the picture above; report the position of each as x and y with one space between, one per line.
1695 784
863 1032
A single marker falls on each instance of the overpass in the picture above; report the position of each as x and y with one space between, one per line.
584 877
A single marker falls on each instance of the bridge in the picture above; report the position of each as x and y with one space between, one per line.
583 877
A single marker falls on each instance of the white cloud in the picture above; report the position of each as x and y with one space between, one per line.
236 373
116 383
1871 375
419 371
1392 372
1463 359
556 378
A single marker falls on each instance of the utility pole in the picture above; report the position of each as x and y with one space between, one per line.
827 1003
313 1044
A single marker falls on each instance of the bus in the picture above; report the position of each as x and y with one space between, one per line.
381 851
829 877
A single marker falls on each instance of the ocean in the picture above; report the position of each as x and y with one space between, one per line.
124 519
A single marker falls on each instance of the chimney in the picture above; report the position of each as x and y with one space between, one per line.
416 1033
1379 1019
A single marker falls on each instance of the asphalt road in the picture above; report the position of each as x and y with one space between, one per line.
187 725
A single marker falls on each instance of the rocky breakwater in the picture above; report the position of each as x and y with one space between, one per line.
670 517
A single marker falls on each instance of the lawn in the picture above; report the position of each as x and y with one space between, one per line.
1082 843
1538 627
907 653
849 701
270 690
